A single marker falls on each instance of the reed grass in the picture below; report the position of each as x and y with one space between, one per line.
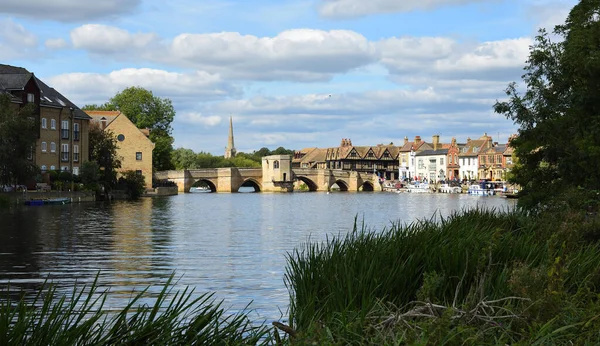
175 318
547 265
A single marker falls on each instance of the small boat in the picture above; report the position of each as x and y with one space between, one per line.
418 188
479 191
446 188
39 201
200 189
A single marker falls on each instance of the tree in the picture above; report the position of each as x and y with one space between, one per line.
558 147
133 184
18 135
183 158
103 151
148 111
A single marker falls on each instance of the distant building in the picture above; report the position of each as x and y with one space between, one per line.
135 148
230 149
63 142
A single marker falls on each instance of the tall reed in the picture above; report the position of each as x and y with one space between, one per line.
175 318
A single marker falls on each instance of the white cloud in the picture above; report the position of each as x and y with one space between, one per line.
446 58
195 118
56 43
67 10
84 88
104 39
15 40
299 54
359 8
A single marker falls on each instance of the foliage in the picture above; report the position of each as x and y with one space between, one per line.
557 145
175 318
90 176
186 159
478 277
103 151
134 184
18 134
4 202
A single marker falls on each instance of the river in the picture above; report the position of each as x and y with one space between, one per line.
231 244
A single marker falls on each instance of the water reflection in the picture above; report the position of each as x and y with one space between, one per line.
231 244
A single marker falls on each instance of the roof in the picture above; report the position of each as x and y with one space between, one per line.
432 152
50 97
99 116
14 81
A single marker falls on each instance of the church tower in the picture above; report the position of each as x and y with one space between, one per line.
230 150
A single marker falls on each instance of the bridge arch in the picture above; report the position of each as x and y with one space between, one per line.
312 186
251 182
342 184
205 182
367 186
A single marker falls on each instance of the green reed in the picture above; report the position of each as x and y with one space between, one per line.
175 318
457 262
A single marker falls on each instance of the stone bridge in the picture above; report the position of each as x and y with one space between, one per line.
231 179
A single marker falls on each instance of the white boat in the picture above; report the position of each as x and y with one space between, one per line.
200 189
479 191
445 188
418 188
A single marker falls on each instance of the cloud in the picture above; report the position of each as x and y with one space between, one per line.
360 8
56 43
195 118
15 41
184 88
68 10
104 39
446 58
298 55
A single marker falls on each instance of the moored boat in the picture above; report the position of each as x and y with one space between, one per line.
39 201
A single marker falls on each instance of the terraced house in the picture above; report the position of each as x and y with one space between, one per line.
63 142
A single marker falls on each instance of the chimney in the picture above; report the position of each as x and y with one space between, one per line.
468 140
436 141
417 140
453 141
103 121
349 142
405 140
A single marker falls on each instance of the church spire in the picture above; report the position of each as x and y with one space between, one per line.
230 150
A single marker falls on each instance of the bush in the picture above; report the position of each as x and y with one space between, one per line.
133 184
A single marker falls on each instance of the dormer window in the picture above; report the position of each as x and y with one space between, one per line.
30 98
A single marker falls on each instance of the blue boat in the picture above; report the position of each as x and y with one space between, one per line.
59 200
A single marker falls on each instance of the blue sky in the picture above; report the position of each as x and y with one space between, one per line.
292 73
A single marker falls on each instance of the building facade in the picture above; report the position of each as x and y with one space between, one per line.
135 148
63 141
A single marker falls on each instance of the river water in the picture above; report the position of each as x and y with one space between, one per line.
231 244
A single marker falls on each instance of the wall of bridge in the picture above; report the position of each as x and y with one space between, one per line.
231 179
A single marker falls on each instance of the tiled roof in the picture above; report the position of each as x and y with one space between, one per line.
432 152
50 97
14 81
8 69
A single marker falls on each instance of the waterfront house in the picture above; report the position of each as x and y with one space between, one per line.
406 155
468 156
381 159
431 164
313 158
63 142
453 165
135 148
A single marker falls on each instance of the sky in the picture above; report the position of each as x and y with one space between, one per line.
291 73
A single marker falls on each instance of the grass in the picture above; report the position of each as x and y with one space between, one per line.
476 277
175 318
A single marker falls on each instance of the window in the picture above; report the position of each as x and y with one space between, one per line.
52 168
138 155
138 172
421 165
52 147
76 170
276 164
76 153
44 147
64 152
64 132
44 123
44 168
53 124
509 160
441 161
30 154
121 137
30 98
64 168
75 131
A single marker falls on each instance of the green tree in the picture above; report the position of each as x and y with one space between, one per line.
18 135
133 184
90 176
184 158
103 151
148 111
558 147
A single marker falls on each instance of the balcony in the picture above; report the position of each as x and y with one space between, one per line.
76 135
64 156
64 134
